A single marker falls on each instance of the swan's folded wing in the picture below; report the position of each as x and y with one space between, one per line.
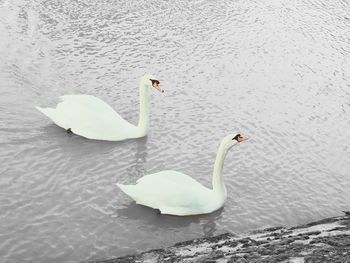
172 189
91 117
90 105
168 194
169 176
90 101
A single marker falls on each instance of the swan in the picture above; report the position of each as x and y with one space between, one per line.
92 118
175 193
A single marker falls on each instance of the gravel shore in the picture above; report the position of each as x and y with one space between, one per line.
327 240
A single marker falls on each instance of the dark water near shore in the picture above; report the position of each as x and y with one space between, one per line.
278 72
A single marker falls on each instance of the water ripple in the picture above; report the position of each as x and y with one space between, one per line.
277 72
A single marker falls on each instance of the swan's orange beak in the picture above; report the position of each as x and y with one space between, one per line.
242 138
157 86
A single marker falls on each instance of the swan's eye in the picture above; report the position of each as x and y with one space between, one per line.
154 81
236 137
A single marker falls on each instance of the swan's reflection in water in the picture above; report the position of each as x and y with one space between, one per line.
136 168
75 145
53 133
152 218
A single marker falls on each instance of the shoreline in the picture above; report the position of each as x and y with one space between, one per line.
326 240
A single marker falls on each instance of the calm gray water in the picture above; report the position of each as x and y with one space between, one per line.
278 71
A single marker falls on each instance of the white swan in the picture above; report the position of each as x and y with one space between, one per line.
92 118
178 194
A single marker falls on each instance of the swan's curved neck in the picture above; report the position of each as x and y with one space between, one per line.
143 124
218 182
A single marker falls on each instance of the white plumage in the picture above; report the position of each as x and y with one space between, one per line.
176 193
92 118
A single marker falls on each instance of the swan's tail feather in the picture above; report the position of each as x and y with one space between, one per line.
53 115
128 189
139 197
131 192
49 112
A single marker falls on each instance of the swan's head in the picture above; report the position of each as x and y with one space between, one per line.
231 140
151 81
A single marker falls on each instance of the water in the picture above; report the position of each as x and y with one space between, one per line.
278 72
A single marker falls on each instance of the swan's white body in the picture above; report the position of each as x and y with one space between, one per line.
178 194
92 118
